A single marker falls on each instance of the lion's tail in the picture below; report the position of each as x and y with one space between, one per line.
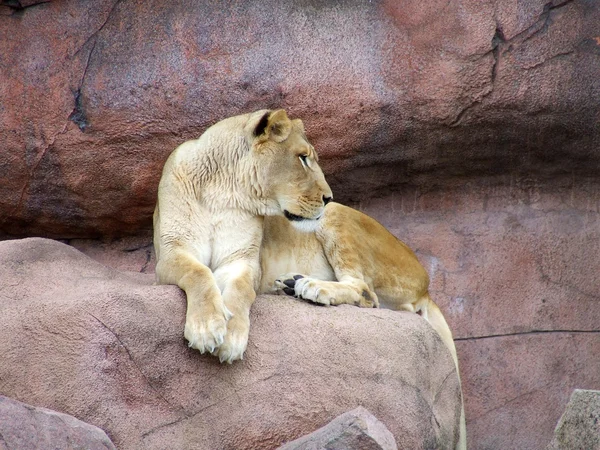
431 312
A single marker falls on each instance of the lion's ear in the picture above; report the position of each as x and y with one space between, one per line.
275 125
299 125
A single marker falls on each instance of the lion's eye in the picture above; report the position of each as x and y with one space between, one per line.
303 160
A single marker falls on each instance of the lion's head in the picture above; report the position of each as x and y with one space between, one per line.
288 172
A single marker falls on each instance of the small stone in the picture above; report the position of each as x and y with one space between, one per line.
357 429
579 426
24 426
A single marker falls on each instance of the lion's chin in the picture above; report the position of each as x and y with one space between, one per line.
305 225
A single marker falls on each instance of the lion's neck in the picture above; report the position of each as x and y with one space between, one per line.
230 181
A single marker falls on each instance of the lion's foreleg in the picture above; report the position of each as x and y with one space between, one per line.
237 281
206 316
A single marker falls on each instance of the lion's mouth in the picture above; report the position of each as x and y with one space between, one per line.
293 217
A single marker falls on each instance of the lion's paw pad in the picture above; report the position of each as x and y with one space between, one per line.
287 282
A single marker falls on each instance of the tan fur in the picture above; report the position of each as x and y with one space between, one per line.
220 234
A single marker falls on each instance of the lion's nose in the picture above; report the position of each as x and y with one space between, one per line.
326 199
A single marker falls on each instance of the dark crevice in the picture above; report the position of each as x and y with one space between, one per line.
148 257
559 5
544 17
18 7
497 40
541 63
135 249
525 333
78 114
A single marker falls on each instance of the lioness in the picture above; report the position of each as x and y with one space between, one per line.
245 209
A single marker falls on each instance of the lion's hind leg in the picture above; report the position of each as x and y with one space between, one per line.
348 291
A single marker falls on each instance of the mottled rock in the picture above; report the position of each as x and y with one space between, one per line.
394 94
357 429
28 427
579 426
514 270
108 347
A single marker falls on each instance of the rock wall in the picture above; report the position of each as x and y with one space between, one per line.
515 273
96 95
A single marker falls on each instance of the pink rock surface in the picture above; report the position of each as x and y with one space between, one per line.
413 92
107 347
515 271
357 429
26 427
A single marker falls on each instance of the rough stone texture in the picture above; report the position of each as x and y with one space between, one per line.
357 430
28 427
396 93
107 347
579 426
515 271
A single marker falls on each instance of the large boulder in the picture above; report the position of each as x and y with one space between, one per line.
28 427
93 99
107 347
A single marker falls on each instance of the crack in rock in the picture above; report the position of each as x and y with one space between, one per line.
178 409
78 115
18 6
541 63
524 333
497 39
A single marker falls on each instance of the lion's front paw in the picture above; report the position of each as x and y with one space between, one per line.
206 332
236 339
305 288
286 283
